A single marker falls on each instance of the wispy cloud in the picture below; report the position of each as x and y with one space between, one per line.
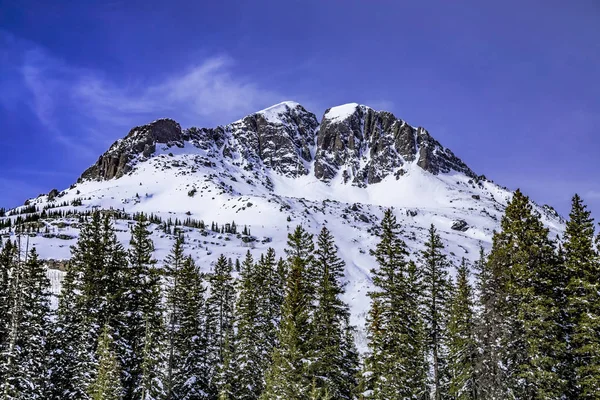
82 108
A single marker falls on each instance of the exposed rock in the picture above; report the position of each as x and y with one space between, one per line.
52 194
363 144
364 218
476 197
411 213
141 141
280 136
460 225
368 145
550 211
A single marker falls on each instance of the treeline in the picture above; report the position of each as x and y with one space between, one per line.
126 328
28 216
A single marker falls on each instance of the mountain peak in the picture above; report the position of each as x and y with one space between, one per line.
364 146
341 112
352 144
140 140
273 113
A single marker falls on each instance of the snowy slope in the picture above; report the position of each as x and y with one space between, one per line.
221 179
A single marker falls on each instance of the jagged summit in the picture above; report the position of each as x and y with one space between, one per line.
367 145
274 112
352 144
341 112
140 140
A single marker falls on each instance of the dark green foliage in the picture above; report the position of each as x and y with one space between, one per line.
91 298
72 362
251 331
462 347
140 328
190 358
490 376
219 315
395 365
26 358
8 261
288 375
283 332
436 303
523 264
334 363
107 383
582 265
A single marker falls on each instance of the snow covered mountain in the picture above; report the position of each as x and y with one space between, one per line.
280 167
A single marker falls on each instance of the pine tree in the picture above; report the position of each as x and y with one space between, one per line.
258 311
151 380
219 314
190 363
26 355
140 321
436 299
89 300
328 343
8 255
582 264
107 383
489 372
72 363
395 365
524 262
271 301
461 340
111 282
249 325
288 376
174 262
300 249
228 382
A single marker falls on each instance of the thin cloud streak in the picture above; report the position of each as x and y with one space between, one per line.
84 111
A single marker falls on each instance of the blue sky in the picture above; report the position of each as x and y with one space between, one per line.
512 87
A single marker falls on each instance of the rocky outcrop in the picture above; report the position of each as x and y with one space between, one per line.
140 142
364 146
368 145
460 225
280 137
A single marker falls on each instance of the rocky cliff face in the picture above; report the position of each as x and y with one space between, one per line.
281 137
140 142
367 145
353 142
